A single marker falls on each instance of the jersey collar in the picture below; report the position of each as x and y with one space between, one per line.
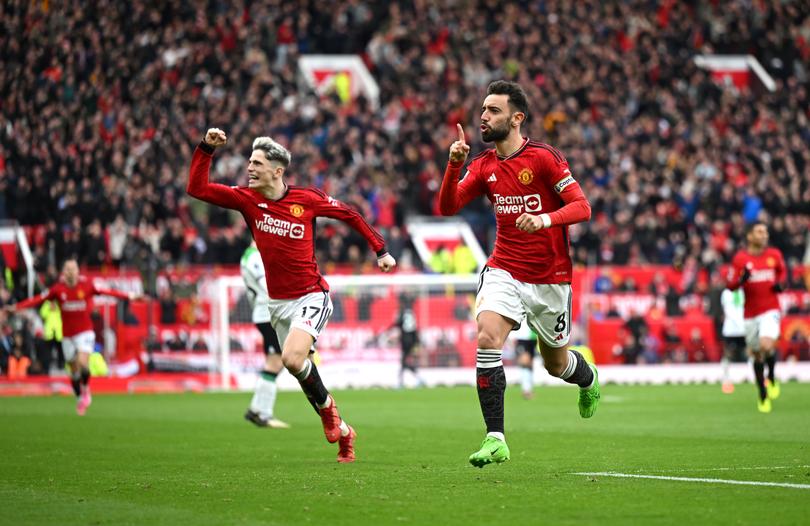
516 152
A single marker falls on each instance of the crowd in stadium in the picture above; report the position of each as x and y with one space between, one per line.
101 106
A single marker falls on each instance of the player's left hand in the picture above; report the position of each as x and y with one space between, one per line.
386 263
529 223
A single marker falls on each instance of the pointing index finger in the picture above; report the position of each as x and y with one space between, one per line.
460 133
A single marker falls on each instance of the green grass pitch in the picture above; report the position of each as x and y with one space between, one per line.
192 460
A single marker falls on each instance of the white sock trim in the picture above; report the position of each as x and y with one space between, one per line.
489 358
570 367
327 403
496 434
304 372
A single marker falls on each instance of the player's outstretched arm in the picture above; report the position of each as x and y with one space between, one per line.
198 184
330 207
117 294
453 196
33 301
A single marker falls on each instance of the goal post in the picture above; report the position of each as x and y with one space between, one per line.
13 241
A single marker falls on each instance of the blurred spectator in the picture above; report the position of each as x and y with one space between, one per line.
19 361
441 261
463 260
696 346
650 348
103 124
51 335
192 311
637 326
168 306
674 349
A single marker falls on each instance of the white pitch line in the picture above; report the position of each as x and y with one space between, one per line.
742 468
688 479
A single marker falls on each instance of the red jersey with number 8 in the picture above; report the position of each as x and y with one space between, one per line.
531 181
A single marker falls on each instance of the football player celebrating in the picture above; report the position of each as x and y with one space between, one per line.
74 294
760 271
281 218
528 276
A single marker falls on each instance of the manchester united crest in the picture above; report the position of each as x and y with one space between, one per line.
770 262
525 176
297 210
80 294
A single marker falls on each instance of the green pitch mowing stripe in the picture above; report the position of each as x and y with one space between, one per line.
192 459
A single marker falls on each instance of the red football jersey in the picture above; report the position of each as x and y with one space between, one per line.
530 180
75 303
284 230
767 269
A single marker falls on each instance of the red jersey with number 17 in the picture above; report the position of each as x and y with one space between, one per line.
530 180
283 229
75 303
767 269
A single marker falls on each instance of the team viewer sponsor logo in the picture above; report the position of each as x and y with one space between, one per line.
760 275
517 204
270 225
73 306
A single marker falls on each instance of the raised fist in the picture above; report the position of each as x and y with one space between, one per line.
215 137
386 263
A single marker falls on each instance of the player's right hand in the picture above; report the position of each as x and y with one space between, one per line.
459 150
215 137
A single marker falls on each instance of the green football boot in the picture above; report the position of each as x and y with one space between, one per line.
492 450
773 390
589 398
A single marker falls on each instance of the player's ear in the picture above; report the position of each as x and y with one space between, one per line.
517 118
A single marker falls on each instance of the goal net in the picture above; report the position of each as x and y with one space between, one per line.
360 346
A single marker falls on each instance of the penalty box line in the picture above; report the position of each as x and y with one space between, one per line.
695 479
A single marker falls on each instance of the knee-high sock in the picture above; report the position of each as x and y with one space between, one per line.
771 361
577 371
491 382
311 384
76 383
85 378
759 374
264 397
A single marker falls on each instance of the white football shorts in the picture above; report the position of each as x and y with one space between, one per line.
545 307
83 342
308 313
765 325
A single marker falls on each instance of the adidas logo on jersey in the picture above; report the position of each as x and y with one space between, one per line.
492 178
262 205
559 337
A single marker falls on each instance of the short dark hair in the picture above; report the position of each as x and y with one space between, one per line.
751 226
517 97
